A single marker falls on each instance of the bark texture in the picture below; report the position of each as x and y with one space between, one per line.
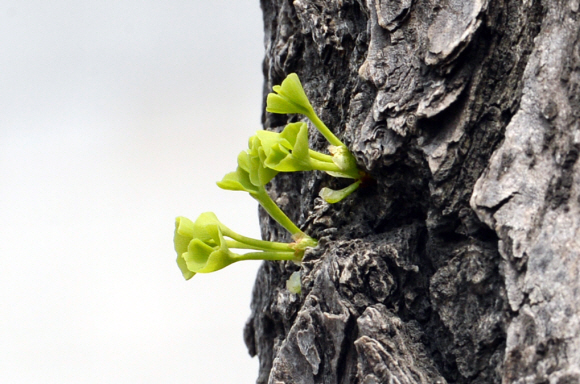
459 263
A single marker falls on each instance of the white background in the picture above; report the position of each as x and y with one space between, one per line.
116 116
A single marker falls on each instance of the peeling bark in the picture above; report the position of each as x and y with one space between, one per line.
458 264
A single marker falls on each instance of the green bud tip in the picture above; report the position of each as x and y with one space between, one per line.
293 283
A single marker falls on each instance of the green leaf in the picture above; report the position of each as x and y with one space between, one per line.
287 151
291 131
265 174
331 196
184 230
300 150
275 154
269 138
207 228
244 159
237 181
289 97
202 258
260 175
197 255
187 274
183 235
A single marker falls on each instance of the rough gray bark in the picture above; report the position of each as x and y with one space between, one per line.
459 264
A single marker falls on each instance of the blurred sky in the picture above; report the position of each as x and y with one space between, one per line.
116 117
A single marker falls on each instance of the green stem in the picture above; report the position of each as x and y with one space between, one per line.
320 156
332 139
242 242
324 166
273 210
269 256
331 167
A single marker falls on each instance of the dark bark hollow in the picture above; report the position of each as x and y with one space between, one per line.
459 262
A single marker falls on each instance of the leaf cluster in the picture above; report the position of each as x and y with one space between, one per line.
205 245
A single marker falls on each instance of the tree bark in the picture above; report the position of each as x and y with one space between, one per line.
459 262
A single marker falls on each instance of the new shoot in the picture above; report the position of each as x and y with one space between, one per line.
205 245
251 176
288 98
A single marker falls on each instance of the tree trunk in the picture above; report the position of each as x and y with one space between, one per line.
459 263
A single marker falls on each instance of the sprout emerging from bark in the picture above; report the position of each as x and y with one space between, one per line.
289 97
205 245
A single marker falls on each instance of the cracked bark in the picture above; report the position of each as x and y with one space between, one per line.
459 264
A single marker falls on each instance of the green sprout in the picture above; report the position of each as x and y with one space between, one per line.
334 196
289 97
251 176
288 151
204 246
293 283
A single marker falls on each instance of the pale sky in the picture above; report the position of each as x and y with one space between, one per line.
116 117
